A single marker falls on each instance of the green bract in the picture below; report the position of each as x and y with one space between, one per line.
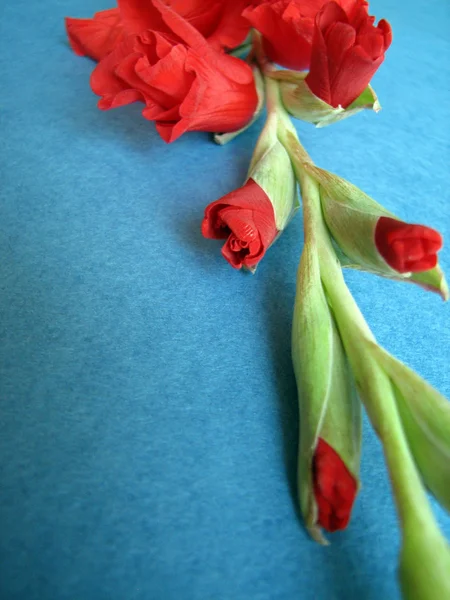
328 405
425 415
271 168
302 104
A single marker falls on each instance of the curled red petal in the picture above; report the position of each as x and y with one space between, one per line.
287 28
139 15
232 28
220 21
109 84
246 218
222 96
180 26
95 37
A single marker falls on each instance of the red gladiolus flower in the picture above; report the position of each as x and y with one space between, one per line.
219 21
346 52
407 248
334 488
95 37
246 219
185 84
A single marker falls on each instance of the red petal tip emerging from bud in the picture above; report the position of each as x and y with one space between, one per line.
407 248
334 488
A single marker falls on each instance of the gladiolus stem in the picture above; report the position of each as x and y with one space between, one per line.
425 555
242 50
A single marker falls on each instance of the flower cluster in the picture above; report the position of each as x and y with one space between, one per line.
211 66
172 57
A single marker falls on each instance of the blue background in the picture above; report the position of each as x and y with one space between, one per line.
148 406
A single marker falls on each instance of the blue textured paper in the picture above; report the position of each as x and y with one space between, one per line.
148 407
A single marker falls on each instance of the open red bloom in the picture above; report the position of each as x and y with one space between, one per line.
220 22
246 219
407 248
95 37
334 488
185 84
347 50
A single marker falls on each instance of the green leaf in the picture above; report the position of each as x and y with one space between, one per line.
425 416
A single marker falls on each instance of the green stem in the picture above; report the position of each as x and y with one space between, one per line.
241 50
272 96
422 540
357 336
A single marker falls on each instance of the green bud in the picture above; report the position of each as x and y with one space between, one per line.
328 405
352 217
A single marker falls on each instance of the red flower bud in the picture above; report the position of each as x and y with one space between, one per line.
334 488
245 217
347 50
407 248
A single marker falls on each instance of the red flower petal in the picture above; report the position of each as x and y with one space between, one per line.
407 248
95 37
168 78
385 28
220 21
139 15
184 87
231 29
105 82
287 27
180 26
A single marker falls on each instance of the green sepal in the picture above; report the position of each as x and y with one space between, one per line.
328 404
271 169
425 415
302 104
432 280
